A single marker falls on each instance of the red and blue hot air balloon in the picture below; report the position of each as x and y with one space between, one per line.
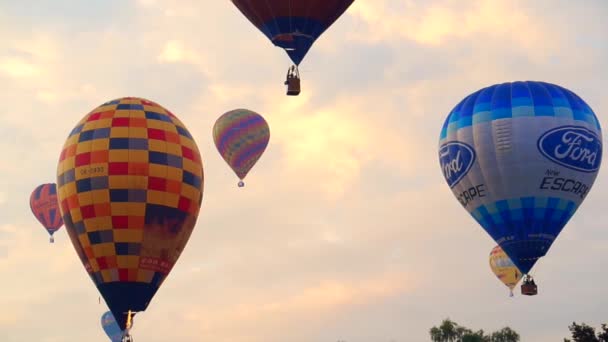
293 25
44 205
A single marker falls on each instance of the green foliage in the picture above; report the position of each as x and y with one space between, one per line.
449 331
584 333
505 334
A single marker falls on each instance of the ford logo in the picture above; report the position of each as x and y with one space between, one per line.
574 147
456 160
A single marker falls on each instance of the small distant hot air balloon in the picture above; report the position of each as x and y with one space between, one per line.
111 328
504 269
44 205
130 183
521 157
241 137
293 25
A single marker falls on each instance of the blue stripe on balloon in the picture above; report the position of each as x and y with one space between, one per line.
544 111
38 192
52 215
522 102
514 225
516 100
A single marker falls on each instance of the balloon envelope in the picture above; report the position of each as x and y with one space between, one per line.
293 25
44 205
241 137
521 157
111 328
130 182
503 268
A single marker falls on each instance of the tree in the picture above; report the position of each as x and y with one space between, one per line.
603 335
505 334
584 333
449 331
478 336
436 335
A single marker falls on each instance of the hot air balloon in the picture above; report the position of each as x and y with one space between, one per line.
109 325
504 269
241 137
293 25
130 182
521 157
44 205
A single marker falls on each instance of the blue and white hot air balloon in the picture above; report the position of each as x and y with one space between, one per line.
111 328
521 157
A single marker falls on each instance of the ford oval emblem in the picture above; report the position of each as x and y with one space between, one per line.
456 160
574 147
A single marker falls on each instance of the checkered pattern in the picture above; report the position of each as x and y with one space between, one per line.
525 227
130 181
44 205
500 218
241 136
518 99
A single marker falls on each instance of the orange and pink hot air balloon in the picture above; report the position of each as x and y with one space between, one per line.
44 205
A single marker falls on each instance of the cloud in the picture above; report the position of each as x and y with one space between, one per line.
439 22
18 68
173 51
332 144
346 228
322 300
325 142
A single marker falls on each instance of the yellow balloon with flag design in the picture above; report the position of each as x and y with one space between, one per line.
130 185
504 269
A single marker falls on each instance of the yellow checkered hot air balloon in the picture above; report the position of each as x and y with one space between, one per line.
504 268
130 185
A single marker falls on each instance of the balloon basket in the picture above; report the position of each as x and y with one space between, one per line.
529 288
51 239
293 81
293 86
241 184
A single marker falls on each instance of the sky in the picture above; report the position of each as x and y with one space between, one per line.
346 229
